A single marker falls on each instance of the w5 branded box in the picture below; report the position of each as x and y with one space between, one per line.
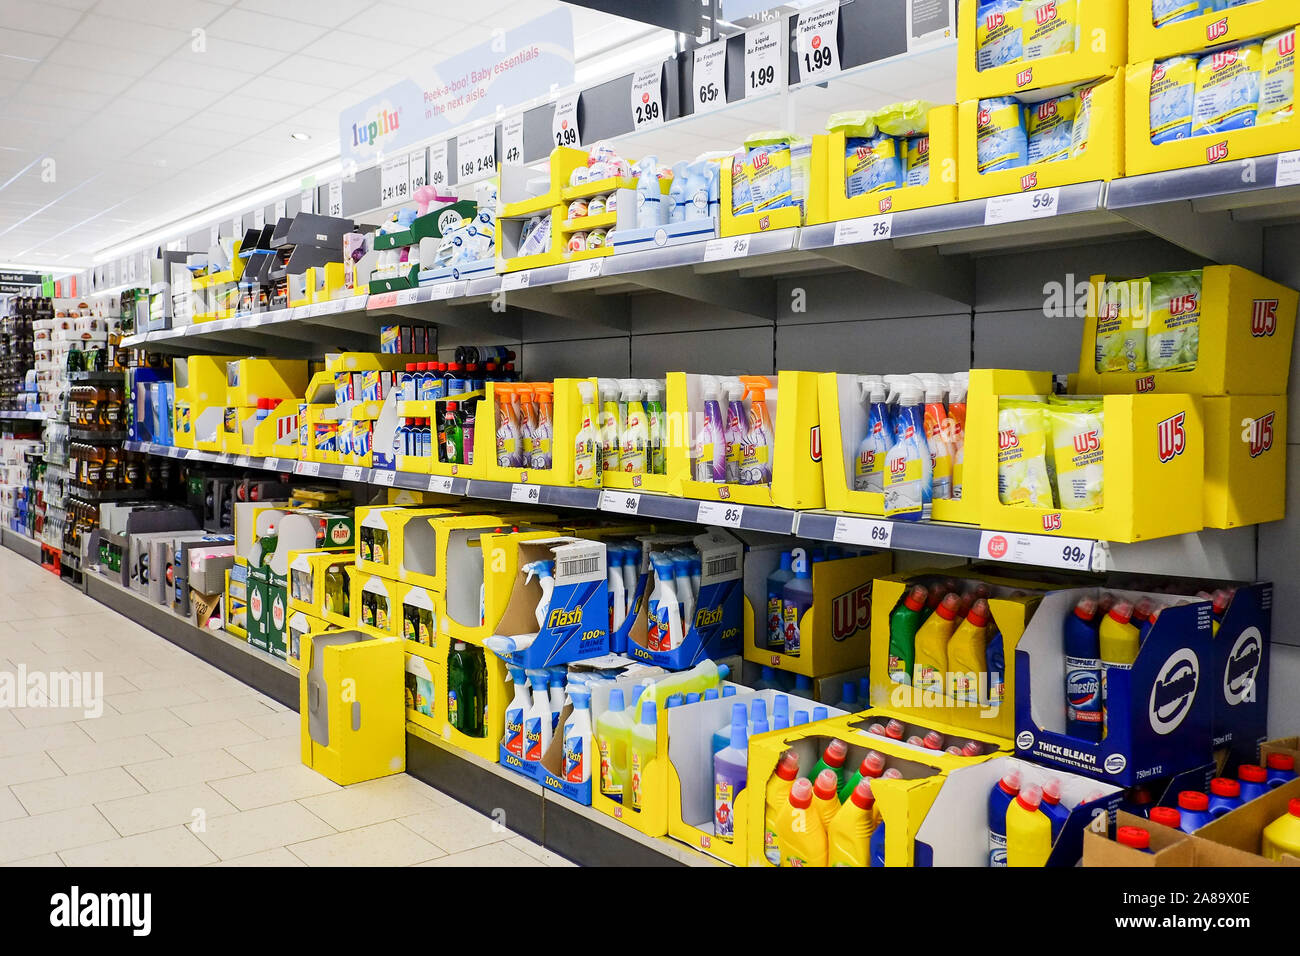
941 142
718 620
1158 711
375 604
1216 25
1245 459
576 625
566 422
834 633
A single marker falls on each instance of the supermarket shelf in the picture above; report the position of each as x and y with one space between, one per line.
113 494
19 543
101 437
22 415
97 376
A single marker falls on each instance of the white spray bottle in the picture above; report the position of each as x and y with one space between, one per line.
635 439
537 719
609 420
649 199
869 464
665 631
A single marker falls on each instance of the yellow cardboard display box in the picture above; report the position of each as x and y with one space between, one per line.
1245 459
941 188
1146 41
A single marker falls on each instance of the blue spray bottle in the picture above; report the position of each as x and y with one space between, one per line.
908 466
649 199
869 465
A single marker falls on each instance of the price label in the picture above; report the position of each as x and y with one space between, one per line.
866 229
1038 204
438 178
733 247
417 173
512 139
241 461
647 98
476 154
442 290
147 448
281 209
407 296
441 484
383 476
271 464
307 200
351 472
382 300
709 81
394 179
620 502
763 72
514 280
525 494
1037 549
720 512
564 124
309 468
1288 169
335 200
817 40
259 217
877 534
584 269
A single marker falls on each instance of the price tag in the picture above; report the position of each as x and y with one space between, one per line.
763 72
564 124
351 472
514 280
709 82
817 41
720 512
407 296
525 494
259 217
866 229
241 461
442 290
281 209
877 534
271 464
335 200
441 484
1288 169
311 468
383 476
438 167
620 502
307 200
1037 549
476 154
147 448
733 247
584 269
394 178
512 139
647 98
1038 204
417 173
383 300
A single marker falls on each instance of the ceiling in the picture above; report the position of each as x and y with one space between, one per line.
117 117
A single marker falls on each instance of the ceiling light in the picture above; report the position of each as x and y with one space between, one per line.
300 135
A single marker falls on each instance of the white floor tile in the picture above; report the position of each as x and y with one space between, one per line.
138 700
382 844
173 846
130 725
51 832
266 754
171 772
41 738
375 801
215 711
189 740
10 806
492 855
456 828
76 790
276 857
109 753
153 811
539 852
286 724
25 767
45 859
253 831
254 790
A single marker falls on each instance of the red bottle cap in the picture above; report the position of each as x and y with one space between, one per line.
788 767
1252 773
1030 797
1193 800
1052 792
801 793
979 614
862 796
947 608
1225 787
894 729
1293 808
836 751
1280 762
933 740
1010 782
873 764
916 598
825 788
1122 612
972 748
1167 816
1135 837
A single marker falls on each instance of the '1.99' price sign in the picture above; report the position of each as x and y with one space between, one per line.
817 43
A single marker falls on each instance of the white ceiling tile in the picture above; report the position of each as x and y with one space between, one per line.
145 117
232 125
257 113
347 50
193 70
23 108
14 69
127 61
384 19
57 98
25 45
125 34
286 90
175 14
175 95
277 33
76 78
238 56
330 13
37 16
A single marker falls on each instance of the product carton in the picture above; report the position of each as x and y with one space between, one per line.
1212 28
941 141
1243 828
1245 459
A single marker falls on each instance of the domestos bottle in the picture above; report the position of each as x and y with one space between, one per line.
1225 796
1082 673
1029 831
1118 643
999 801
1281 769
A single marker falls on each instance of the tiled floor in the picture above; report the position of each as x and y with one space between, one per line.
189 767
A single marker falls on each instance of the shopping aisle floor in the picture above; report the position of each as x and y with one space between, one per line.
187 766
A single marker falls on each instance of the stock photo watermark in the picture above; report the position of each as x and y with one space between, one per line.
56 690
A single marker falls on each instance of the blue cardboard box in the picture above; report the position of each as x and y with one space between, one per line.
576 625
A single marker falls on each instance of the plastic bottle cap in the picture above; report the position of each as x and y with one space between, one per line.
1030 797
972 748
1010 782
1221 601
1052 792
894 729
947 608
872 764
1135 837
862 796
915 741
1293 807
1122 612
787 767
954 750
1281 762
648 715
916 598
836 751
825 787
801 794
876 729
1252 773
979 614
1193 800
1225 787
616 699
933 740
893 773
1167 816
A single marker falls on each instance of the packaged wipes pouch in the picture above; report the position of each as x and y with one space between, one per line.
767 166
1023 478
871 164
1173 90
1171 11
1173 334
910 118
1227 90
997 34
741 200
1050 125
1000 134
1082 121
1077 452
1048 27
1277 79
1122 326
918 161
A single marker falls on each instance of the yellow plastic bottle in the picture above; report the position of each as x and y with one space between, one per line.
1282 836
849 835
802 834
1119 647
777 806
826 796
932 646
1029 831
966 654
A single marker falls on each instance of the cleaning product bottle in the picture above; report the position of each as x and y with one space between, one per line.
577 737
665 630
1144 615
796 599
1119 644
957 387
869 465
617 595
756 450
999 802
525 412
758 717
832 759
908 469
848 696
848 838
876 844
682 587
643 742
904 621
995 665
776 807
537 719
1225 796
1057 813
932 646
699 678
587 453
541 429
635 439
677 193
610 438
730 766
780 712
507 418
711 465
514 738
802 837
556 678
1166 816
722 736
1193 810
872 766
1282 836
654 409
1254 781
649 199
967 654
1281 769
613 731
1135 838
826 800
1029 831
776 582
736 423
1083 717
933 420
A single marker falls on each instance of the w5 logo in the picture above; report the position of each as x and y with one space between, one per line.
1258 433
1052 522
1263 317
1046 13
1087 441
1171 437
1217 152
1216 29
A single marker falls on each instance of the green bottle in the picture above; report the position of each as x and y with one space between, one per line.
466 689
454 436
903 625
456 695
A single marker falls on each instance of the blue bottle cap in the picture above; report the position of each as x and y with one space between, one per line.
711 694
692 698
729 690
724 672
767 673
759 709
616 699
820 713
800 717
802 682
648 715
781 706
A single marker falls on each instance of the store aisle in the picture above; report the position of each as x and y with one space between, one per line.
186 766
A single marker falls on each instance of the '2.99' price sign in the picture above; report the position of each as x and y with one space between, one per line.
647 98
564 125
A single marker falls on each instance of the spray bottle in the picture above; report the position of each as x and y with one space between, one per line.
617 596
654 409
649 199
514 738
609 422
958 383
934 422
537 719
711 465
587 456
635 438
869 465
756 460
556 678
665 631
577 738
508 450
734 431
682 586
907 466
540 427
504 646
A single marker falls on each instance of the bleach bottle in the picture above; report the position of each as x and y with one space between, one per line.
1118 645
904 621
776 810
833 759
1193 810
995 663
1056 812
1281 769
1225 796
1083 673
999 801
1254 781
776 582
1029 831
1282 836
802 837
849 834
796 599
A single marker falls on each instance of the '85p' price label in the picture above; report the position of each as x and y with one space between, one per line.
720 513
